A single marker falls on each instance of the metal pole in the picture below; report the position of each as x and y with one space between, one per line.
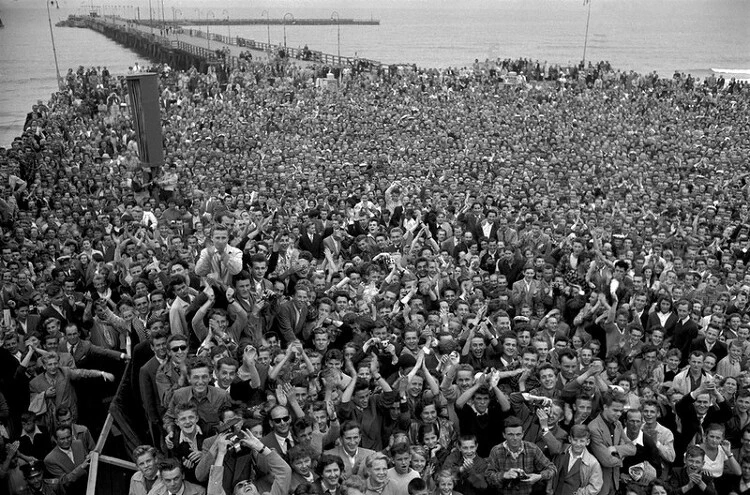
54 49
229 31
338 33
163 21
150 18
208 27
586 39
268 26
285 16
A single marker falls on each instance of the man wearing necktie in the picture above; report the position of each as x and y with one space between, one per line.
280 437
292 315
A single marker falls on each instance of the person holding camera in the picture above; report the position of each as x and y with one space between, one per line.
187 446
540 416
515 466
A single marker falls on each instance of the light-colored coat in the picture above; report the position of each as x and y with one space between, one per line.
601 441
591 474
359 460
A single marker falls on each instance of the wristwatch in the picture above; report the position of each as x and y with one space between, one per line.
545 431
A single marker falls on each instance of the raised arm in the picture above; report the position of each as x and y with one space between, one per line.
346 396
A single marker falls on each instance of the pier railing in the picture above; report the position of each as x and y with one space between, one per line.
98 23
295 53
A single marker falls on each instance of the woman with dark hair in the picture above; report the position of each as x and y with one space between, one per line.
729 387
663 316
427 412
657 487
330 469
428 436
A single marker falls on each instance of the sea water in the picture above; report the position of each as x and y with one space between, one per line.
691 36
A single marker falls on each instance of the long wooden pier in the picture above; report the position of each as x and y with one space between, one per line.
182 48
263 22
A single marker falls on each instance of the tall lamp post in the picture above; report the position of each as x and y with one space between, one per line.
150 17
54 49
268 26
208 27
288 14
335 16
163 20
586 38
225 12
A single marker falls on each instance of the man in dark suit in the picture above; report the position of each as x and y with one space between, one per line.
292 315
83 351
59 307
312 242
639 311
710 343
609 444
68 462
471 218
81 433
149 392
280 438
488 227
27 324
335 241
696 412
684 331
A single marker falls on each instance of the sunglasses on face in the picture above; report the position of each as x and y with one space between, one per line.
178 348
284 419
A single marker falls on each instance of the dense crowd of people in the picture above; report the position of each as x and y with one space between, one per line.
426 281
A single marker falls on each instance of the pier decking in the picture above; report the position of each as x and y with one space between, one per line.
183 47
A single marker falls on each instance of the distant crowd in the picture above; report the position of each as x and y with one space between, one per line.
419 281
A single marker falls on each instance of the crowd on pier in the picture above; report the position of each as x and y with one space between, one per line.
422 282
